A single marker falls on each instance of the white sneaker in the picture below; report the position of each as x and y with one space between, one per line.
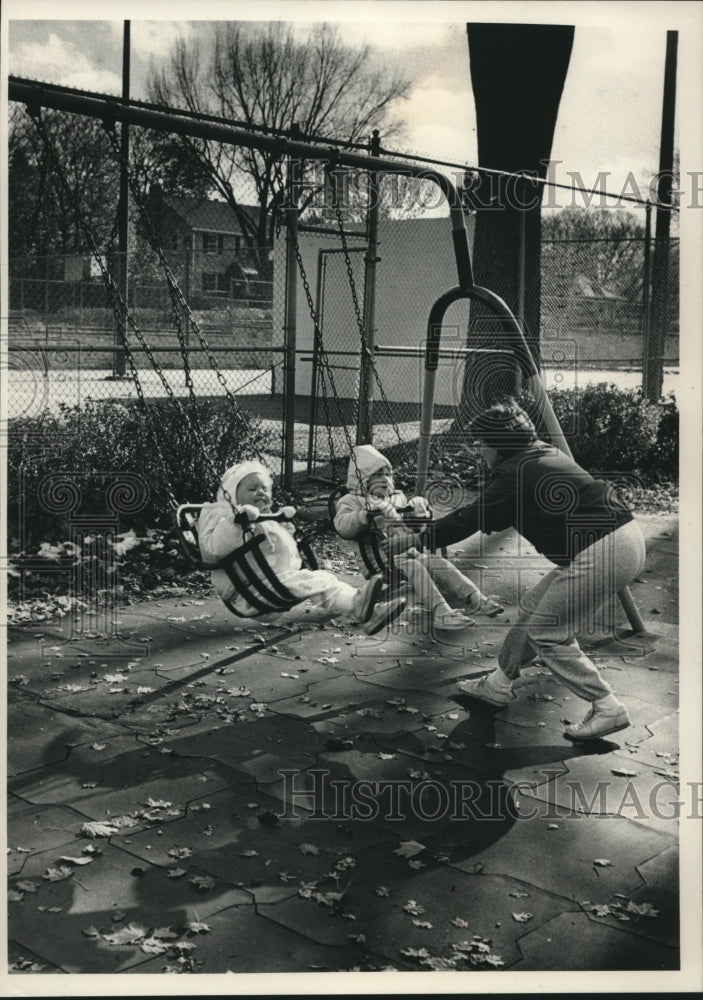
598 723
452 620
481 688
489 606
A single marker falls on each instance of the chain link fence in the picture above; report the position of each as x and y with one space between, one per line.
65 342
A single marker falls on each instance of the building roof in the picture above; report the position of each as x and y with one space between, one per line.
208 214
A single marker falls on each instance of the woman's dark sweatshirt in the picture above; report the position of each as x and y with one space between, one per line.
549 499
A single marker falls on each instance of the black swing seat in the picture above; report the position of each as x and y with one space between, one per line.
247 567
370 541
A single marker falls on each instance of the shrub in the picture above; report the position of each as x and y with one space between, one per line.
83 447
614 430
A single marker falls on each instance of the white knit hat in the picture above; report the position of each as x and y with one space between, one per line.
234 475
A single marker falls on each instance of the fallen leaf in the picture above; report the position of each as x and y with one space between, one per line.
26 886
175 872
519 895
623 772
14 897
197 927
165 933
158 803
423 923
57 874
602 863
152 946
249 854
26 965
383 891
416 865
642 909
522 918
308 849
203 882
180 852
409 848
76 861
131 934
414 908
415 952
98 829
459 922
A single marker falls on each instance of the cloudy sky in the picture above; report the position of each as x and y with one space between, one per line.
610 111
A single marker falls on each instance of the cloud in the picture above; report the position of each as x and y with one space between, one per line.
383 35
59 61
440 121
154 38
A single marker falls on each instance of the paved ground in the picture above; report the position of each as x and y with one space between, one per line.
193 795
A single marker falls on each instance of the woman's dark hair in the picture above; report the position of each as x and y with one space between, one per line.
504 426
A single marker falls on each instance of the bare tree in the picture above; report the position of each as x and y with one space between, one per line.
604 245
266 79
41 216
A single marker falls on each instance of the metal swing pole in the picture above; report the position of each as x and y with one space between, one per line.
364 427
290 323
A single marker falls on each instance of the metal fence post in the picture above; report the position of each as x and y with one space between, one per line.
646 297
364 427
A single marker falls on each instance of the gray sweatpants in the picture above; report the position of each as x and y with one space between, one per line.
563 603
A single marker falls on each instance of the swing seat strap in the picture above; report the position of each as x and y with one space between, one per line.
255 581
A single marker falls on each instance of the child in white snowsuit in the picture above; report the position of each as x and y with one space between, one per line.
372 492
249 485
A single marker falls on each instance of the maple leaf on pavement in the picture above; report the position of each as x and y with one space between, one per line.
131 934
97 829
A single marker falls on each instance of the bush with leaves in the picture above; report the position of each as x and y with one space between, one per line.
611 430
79 453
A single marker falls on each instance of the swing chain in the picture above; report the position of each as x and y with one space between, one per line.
326 369
365 349
122 313
177 297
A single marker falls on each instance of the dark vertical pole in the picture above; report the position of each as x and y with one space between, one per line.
123 208
646 293
654 376
290 321
364 428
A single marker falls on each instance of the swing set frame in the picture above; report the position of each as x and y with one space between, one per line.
111 110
